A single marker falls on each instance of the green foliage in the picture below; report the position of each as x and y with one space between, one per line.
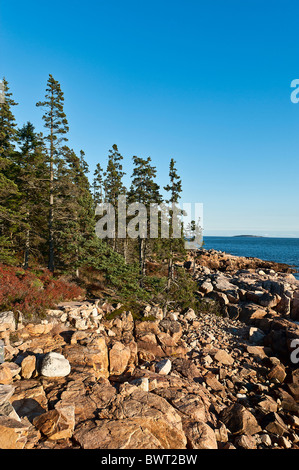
120 276
136 309
9 216
182 292
7 123
56 124
98 191
112 183
209 306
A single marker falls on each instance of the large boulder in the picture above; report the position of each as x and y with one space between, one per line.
199 435
134 410
88 397
295 307
58 423
119 356
29 399
55 365
13 433
239 420
111 434
93 356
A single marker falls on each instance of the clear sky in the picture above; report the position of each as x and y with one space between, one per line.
204 82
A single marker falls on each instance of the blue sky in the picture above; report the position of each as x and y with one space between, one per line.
204 82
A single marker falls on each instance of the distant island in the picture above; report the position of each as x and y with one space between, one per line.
250 236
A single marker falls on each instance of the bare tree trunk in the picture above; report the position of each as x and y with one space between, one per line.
170 272
126 250
27 244
51 219
142 254
51 209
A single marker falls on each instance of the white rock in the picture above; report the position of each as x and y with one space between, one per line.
85 313
6 392
63 317
142 384
80 324
163 367
54 313
55 365
7 321
95 312
266 439
190 315
172 316
110 333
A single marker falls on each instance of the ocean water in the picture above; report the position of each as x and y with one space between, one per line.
280 250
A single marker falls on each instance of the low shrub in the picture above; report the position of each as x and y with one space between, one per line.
33 293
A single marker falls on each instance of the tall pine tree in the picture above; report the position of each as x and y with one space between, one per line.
145 190
98 191
30 176
57 126
77 226
173 244
113 184
9 213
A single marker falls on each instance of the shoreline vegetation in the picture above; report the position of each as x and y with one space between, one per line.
48 210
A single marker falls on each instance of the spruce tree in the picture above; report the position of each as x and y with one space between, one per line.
8 126
174 188
57 126
79 226
145 190
9 212
113 184
30 173
98 195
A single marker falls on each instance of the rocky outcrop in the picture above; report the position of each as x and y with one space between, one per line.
267 299
89 376
225 262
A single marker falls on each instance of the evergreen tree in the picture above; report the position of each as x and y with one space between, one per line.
144 190
30 172
57 126
9 214
8 126
77 225
173 244
113 185
98 195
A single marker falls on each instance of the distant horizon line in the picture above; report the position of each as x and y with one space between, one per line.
241 235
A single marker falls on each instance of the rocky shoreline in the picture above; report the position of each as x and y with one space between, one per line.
91 377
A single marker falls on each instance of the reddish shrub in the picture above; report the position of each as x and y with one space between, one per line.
32 294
